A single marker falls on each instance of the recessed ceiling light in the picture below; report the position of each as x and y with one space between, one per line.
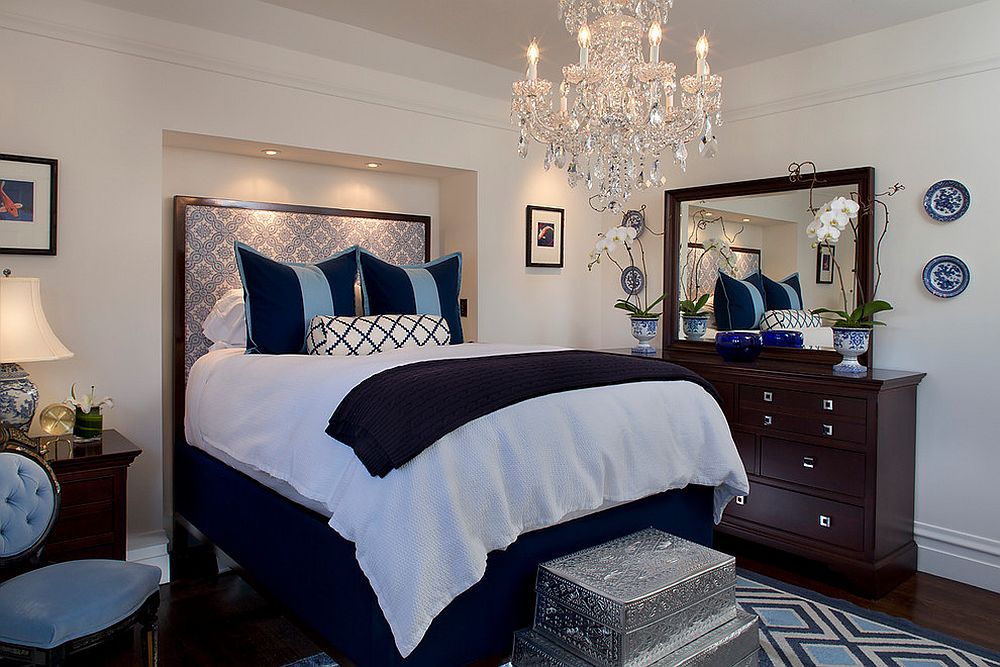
270 152
373 165
746 219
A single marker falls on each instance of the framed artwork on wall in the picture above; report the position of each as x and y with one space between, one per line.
824 264
28 205
544 246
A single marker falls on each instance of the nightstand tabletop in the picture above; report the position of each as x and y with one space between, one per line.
62 452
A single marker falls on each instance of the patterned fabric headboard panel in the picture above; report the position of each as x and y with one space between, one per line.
286 233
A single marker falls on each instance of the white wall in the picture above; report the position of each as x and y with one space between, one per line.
918 103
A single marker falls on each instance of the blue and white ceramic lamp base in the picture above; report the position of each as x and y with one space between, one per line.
18 397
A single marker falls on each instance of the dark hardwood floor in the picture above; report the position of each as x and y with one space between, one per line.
221 620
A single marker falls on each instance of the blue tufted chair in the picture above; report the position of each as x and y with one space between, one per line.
49 613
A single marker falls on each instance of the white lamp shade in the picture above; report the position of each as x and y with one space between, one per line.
25 334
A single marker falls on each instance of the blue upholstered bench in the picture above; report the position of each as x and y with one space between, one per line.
49 613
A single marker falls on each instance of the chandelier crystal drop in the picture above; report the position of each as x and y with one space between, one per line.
620 108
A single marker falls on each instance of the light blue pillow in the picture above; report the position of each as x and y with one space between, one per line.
785 294
739 304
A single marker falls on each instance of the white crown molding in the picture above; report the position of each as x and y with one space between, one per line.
960 556
863 89
459 111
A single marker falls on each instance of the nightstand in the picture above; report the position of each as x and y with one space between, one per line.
92 513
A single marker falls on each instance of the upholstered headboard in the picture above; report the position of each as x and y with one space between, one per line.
205 265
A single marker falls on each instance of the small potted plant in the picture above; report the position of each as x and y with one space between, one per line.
645 321
694 317
852 329
89 424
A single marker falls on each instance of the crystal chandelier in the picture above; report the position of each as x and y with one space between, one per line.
617 111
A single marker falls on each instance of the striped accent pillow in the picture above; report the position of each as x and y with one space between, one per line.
360 336
281 299
422 289
785 294
790 319
739 304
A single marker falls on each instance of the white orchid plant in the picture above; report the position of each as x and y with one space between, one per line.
627 239
831 221
88 401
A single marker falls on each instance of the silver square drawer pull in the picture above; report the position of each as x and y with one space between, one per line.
768 397
828 404
767 420
808 462
741 500
824 521
827 429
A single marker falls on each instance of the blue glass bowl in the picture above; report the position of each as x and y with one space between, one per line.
738 345
781 338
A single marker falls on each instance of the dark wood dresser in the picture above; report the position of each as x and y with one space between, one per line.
92 512
831 466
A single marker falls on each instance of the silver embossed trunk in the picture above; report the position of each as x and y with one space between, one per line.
734 644
634 600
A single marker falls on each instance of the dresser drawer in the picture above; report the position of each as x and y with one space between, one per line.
86 488
811 465
802 402
805 424
827 521
746 445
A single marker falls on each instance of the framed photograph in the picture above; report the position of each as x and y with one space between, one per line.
28 205
824 264
545 236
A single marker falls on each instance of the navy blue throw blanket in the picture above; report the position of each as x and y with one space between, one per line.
395 415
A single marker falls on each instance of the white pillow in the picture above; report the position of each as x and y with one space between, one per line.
790 319
360 336
226 325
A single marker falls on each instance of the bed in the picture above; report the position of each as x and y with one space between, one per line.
329 542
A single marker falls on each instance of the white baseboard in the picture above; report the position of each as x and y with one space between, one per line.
150 549
970 559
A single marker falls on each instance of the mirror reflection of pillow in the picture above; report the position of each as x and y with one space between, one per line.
739 304
785 294
226 325
790 319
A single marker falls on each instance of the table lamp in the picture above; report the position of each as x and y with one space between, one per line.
25 335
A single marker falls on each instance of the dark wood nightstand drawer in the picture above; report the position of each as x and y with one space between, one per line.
86 488
802 402
811 465
828 521
820 427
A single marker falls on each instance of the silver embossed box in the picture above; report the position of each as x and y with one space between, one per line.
734 644
631 601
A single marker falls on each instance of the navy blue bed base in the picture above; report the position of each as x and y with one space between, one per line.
311 570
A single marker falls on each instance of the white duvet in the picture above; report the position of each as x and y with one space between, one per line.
423 532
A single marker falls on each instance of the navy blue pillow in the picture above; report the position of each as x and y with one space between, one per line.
783 295
281 299
739 304
420 289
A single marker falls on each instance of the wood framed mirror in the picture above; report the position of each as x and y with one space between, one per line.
764 222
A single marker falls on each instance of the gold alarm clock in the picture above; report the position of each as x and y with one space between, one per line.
57 419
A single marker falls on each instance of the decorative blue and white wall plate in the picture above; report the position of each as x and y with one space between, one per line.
947 201
946 276
633 280
636 220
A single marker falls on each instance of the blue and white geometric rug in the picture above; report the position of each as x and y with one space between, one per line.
801 628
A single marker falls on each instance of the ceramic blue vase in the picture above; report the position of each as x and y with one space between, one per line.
851 343
644 330
740 346
780 338
694 326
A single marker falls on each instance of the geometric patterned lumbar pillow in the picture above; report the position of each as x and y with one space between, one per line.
371 334
789 319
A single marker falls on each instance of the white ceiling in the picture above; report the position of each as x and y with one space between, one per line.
741 31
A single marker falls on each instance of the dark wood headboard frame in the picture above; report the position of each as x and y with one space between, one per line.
179 268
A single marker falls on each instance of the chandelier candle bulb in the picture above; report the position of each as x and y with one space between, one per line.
702 51
655 37
533 61
583 39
